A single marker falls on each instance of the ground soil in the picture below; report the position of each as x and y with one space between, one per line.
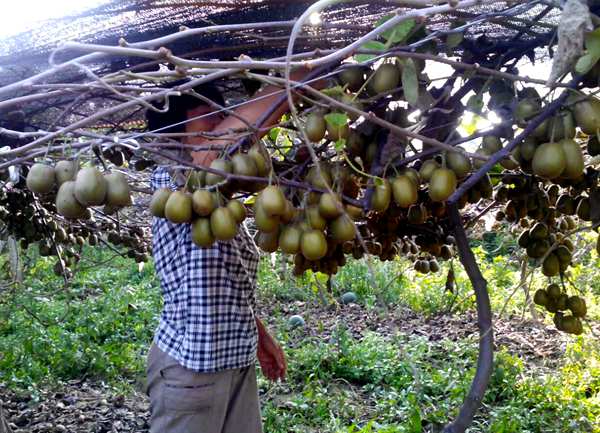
91 407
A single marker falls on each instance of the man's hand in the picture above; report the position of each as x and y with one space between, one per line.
270 355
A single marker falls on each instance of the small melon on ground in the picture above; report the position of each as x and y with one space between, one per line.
349 298
296 321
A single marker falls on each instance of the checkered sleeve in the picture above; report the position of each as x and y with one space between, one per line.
161 179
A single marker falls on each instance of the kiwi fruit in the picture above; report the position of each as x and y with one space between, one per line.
178 208
315 127
549 160
272 200
353 77
427 169
342 229
65 171
41 178
405 191
243 165
261 159
222 224
561 125
66 202
584 209
459 164
553 291
574 164
195 180
577 306
201 233
159 201
330 206
541 297
313 245
565 204
551 265
268 242
289 239
382 195
385 78
264 222
525 110
572 325
218 164
203 202
118 193
587 115
526 149
442 184
315 219
491 144
90 187
593 145
237 209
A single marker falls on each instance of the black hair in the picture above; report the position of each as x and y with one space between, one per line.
179 106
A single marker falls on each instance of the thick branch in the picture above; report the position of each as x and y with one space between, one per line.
484 321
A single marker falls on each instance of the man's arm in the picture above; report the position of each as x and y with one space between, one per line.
270 354
250 113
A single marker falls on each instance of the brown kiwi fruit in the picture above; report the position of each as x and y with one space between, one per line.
574 164
289 239
459 164
337 132
342 229
118 193
329 206
541 297
587 115
201 233
159 201
261 159
315 127
222 224
442 184
66 203
272 200
65 171
549 160
41 178
265 222
267 242
218 164
353 77
90 187
203 202
405 191
382 195
313 245
593 145
385 78
577 306
244 165
237 209
178 208
491 144
427 169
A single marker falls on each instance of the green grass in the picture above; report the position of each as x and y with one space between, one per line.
100 328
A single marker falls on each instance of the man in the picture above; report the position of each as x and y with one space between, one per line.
201 376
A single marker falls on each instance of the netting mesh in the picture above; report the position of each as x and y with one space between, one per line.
138 20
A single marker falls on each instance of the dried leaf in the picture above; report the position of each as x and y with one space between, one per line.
574 22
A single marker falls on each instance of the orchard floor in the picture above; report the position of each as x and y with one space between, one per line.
92 407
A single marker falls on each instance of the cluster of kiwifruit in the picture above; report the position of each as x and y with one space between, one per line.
557 301
79 189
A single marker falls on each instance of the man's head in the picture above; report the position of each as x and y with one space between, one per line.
184 107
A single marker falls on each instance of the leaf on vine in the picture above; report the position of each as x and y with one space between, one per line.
453 40
336 120
371 45
334 91
585 63
399 32
410 82
274 133
340 144
378 181
475 104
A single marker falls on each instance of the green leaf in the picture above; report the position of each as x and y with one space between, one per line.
586 63
399 32
410 82
274 133
334 91
592 43
340 144
336 120
475 104
371 45
453 40
378 181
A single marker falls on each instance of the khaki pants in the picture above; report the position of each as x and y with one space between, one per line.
183 401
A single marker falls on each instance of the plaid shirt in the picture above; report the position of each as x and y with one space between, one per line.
207 323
